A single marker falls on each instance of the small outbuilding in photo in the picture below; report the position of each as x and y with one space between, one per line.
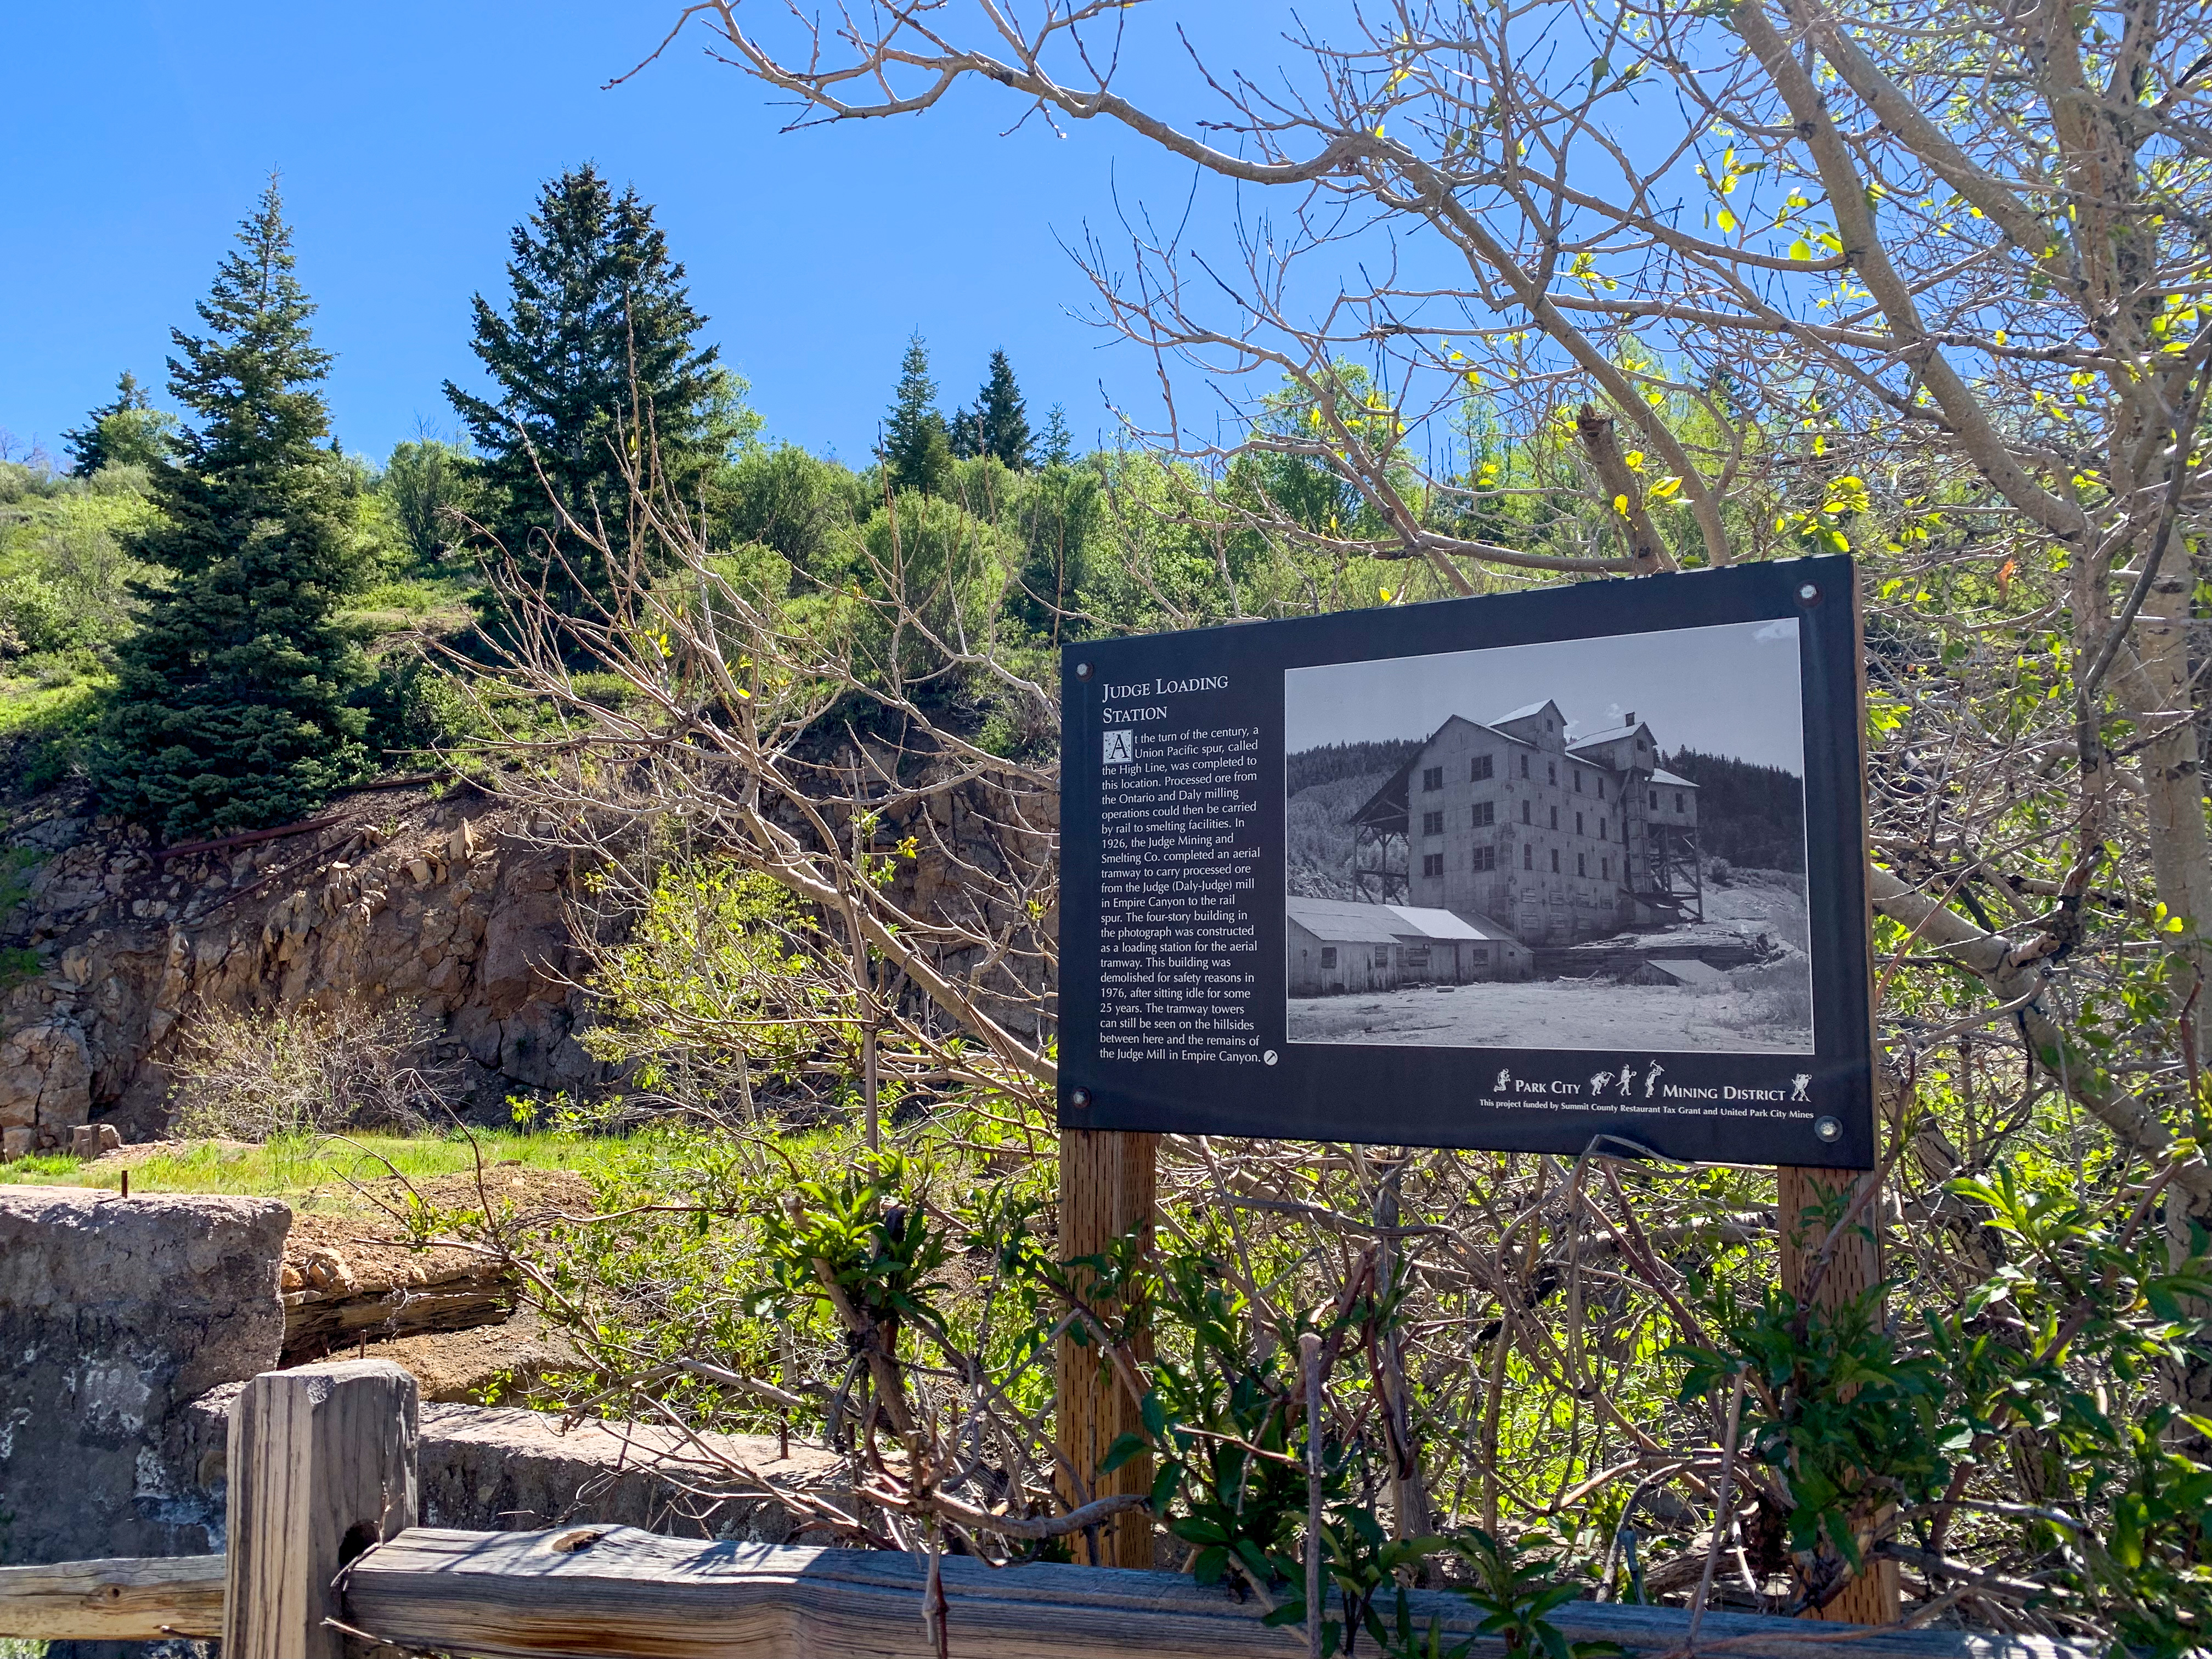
1337 945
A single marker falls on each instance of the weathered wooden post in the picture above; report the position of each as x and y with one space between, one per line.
1107 1186
1804 1196
1807 1203
322 1466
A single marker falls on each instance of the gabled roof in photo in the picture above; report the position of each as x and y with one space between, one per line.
1349 921
1525 711
1449 924
1386 808
1669 778
1611 734
1344 921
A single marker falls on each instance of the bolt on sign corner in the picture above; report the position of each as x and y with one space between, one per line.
1534 873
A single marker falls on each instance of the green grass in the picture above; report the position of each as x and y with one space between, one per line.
27 706
315 1171
439 603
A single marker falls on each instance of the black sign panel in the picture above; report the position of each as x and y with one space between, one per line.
1528 873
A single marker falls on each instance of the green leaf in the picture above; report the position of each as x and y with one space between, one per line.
1124 1447
1154 1413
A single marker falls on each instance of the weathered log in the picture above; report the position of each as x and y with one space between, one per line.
126 1600
317 1322
622 1593
224 843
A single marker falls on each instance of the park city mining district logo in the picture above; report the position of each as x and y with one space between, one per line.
1631 1085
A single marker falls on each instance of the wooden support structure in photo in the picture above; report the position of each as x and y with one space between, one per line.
322 1467
1109 1187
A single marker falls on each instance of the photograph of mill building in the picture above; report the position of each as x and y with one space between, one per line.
1552 876
1556 841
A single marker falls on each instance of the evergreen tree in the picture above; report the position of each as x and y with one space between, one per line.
230 709
596 341
917 450
1056 447
129 432
999 420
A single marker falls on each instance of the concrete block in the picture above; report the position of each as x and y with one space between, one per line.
113 1313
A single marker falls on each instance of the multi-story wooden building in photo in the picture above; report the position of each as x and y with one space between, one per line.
1554 838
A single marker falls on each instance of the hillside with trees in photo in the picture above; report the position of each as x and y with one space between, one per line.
1750 815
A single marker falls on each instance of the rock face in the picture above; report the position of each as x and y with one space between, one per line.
113 1312
450 906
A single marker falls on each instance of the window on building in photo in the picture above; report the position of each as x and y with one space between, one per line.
1528 857
1681 803
1432 823
1601 829
1486 814
1551 773
1555 817
1479 768
1479 953
1600 788
1432 864
1555 860
1524 766
1582 864
1578 779
1525 818
1382 956
1485 857
1329 955
1654 801
1605 869
1578 825
1432 777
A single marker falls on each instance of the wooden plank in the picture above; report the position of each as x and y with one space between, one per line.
1109 1184
620 1593
322 1466
129 1599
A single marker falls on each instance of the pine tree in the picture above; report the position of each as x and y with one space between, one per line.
129 432
1056 447
1001 426
230 709
596 341
917 450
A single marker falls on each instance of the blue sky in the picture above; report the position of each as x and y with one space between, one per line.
411 136
1730 690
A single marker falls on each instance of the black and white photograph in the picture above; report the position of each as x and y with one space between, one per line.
1595 843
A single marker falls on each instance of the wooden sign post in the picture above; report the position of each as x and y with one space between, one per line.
1365 876
1108 1188
1807 1203
1802 1196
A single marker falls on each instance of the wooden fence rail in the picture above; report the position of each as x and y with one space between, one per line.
323 1552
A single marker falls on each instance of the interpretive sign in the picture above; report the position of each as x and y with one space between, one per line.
1526 873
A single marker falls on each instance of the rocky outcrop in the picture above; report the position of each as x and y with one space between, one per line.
449 904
